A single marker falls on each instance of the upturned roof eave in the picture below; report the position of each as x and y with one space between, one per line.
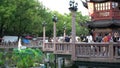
104 24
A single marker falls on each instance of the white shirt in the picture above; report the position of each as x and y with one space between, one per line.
90 39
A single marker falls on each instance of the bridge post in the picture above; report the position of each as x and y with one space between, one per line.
111 50
54 30
54 34
43 24
73 8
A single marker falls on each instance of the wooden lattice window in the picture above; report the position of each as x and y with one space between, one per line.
102 6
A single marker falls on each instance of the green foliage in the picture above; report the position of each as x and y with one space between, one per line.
27 57
1 59
81 27
19 17
52 58
67 19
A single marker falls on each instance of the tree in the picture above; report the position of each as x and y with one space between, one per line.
81 21
21 16
67 19
18 17
7 9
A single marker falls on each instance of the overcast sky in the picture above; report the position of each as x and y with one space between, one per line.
62 6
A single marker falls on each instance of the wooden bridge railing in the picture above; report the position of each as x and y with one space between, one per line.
116 14
106 14
102 15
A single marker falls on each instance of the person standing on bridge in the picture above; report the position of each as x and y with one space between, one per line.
104 49
99 38
90 39
105 38
115 37
67 39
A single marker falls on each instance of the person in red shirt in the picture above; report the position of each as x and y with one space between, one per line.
105 38
109 37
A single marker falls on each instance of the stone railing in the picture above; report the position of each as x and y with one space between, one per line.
102 50
48 47
97 49
15 44
59 48
63 48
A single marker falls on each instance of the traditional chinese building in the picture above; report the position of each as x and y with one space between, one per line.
105 15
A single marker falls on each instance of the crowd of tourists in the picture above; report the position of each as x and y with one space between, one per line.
106 37
99 37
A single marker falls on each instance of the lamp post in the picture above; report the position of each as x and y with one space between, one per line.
54 28
54 33
64 28
43 24
47 59
73 8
